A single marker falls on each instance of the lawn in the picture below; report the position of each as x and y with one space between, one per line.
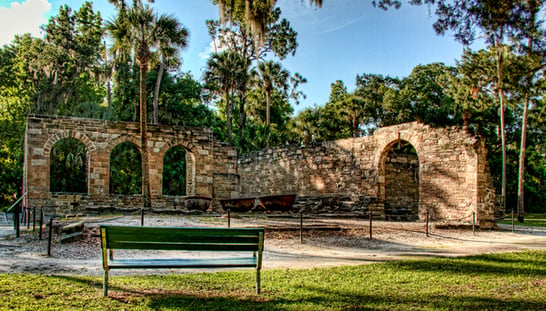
510 281
535 220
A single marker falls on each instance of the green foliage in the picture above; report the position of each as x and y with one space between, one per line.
174 171
68 166
125 170
511 281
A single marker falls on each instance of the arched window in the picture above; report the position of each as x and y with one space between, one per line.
68 166
174 171
125 170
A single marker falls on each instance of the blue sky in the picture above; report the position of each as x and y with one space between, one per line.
337 42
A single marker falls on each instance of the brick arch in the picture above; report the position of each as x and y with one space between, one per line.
112 145
213 162
62 134
90 148
123 139
191 151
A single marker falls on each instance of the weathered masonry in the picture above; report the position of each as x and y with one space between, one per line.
411 169
210 165
446 176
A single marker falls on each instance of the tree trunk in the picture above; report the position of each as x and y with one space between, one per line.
521 171
146 199
242 121
228 114
523 145
156 92
501 115
267 108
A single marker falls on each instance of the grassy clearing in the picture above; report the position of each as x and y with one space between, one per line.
535 220
511 281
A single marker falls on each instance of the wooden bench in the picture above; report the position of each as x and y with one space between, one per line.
248 240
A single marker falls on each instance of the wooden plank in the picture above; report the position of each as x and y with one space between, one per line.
182 246
177 238
234 262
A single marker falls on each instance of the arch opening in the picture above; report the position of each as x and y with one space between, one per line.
402 178
68 166
174 172
125 170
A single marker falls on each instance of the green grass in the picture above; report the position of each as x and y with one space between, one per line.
511 281
535 220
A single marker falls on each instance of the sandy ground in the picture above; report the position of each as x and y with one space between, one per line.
338 242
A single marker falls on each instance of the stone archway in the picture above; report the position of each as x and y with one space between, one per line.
454 181
212 162
399 168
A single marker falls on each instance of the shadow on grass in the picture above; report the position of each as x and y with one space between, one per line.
315 291
415 300
491 264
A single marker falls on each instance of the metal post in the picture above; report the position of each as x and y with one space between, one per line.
28 218
513 227
41 221
473 223
22 214
16 223
426 229
34 219
229 218
50 236
142 217
370 214
301 227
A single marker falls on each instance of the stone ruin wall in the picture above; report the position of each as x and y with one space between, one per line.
352 174
211 165
453 179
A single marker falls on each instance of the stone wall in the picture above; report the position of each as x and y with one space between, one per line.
453 180
402 184
208 163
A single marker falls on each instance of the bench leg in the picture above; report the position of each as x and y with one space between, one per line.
257 282
105 284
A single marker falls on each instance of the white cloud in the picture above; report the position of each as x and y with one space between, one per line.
214 46
22 17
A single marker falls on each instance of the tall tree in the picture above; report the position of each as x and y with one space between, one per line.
138 30
531 36
255 13
496 22
172 38
223 75
271 76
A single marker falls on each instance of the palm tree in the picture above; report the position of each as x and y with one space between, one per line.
138 29
223 76
271 76
172 38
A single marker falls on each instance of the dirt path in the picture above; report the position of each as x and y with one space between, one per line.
346 242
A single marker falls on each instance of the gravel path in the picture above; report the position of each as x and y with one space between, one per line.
340 242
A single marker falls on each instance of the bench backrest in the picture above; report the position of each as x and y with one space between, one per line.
180 238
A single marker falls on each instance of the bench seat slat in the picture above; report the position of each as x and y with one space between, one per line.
183 246
242 262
